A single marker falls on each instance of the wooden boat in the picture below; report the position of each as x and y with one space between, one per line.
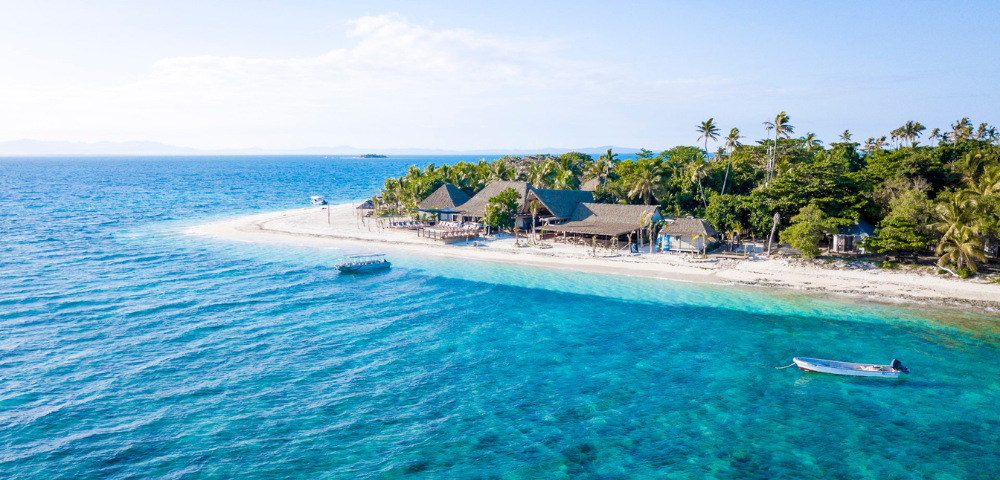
893 370
363 263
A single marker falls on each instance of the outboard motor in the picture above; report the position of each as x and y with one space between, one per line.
895 365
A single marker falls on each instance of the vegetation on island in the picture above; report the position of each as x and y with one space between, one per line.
944 193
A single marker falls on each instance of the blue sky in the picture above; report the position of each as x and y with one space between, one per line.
502 75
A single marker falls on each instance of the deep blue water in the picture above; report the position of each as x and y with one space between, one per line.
129 349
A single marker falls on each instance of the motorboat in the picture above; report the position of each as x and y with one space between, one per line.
363 263
318 200
892 370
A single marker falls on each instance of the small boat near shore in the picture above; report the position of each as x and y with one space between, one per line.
363 263
893 370
318 200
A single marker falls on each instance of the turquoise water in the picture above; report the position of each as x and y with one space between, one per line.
131 350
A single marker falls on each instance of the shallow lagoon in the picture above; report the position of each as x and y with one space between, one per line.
128 349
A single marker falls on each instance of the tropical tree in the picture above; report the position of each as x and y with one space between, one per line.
500 210
709 131
808 228
935 135
599 169
699 170
781 128
643 180
846 136
811 141
898 235
732 143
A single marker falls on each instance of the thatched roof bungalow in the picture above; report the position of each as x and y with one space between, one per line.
475 207
447 196
607 220
556 204
686 235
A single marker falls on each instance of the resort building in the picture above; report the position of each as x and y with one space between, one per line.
475 209
686 235
847 238
555 206
445 202
608 222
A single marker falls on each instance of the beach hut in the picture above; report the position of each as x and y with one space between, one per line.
685 235
847 237
366 208
445 201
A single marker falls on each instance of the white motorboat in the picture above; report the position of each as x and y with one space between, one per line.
318 200
893 370
363 263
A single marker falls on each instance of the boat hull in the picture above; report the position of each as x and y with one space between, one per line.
844 368
367 267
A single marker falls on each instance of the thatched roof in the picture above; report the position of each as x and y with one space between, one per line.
590 185
689 226
476 206
446 196
368 205
606 219
561 203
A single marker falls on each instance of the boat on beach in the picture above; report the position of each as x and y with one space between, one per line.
363 263
893 370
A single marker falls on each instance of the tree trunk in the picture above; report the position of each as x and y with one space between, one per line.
770 239
726 178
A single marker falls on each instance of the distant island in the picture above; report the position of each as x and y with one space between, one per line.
372 155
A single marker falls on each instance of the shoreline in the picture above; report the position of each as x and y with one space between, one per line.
891 286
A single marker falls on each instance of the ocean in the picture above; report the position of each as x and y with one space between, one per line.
130 348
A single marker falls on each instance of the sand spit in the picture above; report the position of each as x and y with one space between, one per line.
311 225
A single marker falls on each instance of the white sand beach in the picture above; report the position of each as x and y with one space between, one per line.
310 225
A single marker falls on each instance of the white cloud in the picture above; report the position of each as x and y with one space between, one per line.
396 85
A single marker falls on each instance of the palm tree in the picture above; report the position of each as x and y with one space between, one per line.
499 170
811 141
698 172
599 169
910 131
535 207
610 157
983 131
709 131
781 129
961 130
732 143
846 136
935 135
644 180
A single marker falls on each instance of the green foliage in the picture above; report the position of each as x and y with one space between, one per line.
500 210
965 272
826 182
888 265
898 235
808 229
948 190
